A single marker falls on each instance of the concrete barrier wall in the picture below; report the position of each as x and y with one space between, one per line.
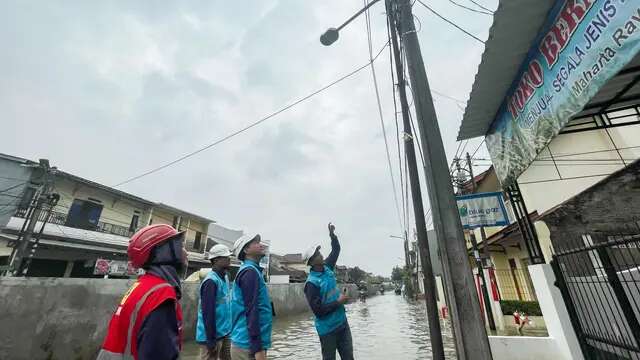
55 318
523 348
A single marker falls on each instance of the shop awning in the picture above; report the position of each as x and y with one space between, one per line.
515 28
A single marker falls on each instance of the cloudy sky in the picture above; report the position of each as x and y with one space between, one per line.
109 89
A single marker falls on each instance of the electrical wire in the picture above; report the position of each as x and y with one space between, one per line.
377 91
13 187
448 97
471 9
562 179
450 22
478 147
482 7
256 123
395 115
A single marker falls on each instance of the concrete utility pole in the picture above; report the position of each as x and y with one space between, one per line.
468 325
429 281
22 245
476 256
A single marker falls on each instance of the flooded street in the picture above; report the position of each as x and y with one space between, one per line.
385 327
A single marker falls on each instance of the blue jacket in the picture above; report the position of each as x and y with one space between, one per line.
214 309
329 294
251 310
322 293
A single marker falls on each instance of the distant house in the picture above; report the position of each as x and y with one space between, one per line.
281 266
342 274
90 222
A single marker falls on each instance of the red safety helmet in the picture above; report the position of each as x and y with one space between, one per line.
145 240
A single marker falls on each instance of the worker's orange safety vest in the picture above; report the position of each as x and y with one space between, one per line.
143 297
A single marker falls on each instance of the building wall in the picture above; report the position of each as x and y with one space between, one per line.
12 185
187 224
505 278
115 210
542 196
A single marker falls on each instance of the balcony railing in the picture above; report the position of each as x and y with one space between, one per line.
59 218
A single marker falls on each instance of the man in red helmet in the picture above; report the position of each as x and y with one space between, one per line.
148 321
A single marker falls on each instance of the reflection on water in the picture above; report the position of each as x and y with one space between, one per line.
385 327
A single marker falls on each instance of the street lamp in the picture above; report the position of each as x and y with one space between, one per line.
332 34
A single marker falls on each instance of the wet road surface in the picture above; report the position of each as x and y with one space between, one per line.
385 327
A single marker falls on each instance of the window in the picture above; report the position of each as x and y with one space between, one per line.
84 215
198 241
134 222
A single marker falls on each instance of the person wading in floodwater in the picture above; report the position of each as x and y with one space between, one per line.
327 301
251 310
147 325
214 308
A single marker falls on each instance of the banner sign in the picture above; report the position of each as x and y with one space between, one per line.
114 267
583 44
482 209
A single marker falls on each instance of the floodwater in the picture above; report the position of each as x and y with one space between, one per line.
384 327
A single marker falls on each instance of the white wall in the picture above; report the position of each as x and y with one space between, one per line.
561 344
12 185
555 312
542 196
279 279
523 348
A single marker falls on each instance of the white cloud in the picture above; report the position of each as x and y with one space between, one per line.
110 89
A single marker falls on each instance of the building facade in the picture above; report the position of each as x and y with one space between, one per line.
91 225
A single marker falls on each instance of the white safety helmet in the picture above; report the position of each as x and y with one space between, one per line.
239 245
218 250
308 254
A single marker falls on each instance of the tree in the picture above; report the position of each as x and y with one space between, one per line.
397 275
356 275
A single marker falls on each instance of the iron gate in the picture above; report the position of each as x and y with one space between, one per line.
598 275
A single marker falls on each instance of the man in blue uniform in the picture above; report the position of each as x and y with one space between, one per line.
214 309
251 310
327 301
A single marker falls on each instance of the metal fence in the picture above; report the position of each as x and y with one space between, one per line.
515 284
59 218
599 277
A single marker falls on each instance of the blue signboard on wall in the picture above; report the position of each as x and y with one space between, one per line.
581 46
482 209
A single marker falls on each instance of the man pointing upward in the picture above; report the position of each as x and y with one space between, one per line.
327 301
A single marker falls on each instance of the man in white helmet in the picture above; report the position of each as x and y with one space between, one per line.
251 309
214 308
327 301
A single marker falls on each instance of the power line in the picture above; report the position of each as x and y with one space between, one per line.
562 179
12 187
395 115
471 9
572 160
238 132
384 131
482 7
450 22
478 147
448 97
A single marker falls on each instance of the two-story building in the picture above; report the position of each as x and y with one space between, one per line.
90 225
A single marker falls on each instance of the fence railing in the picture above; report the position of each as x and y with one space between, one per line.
515 284
59 218
599 277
